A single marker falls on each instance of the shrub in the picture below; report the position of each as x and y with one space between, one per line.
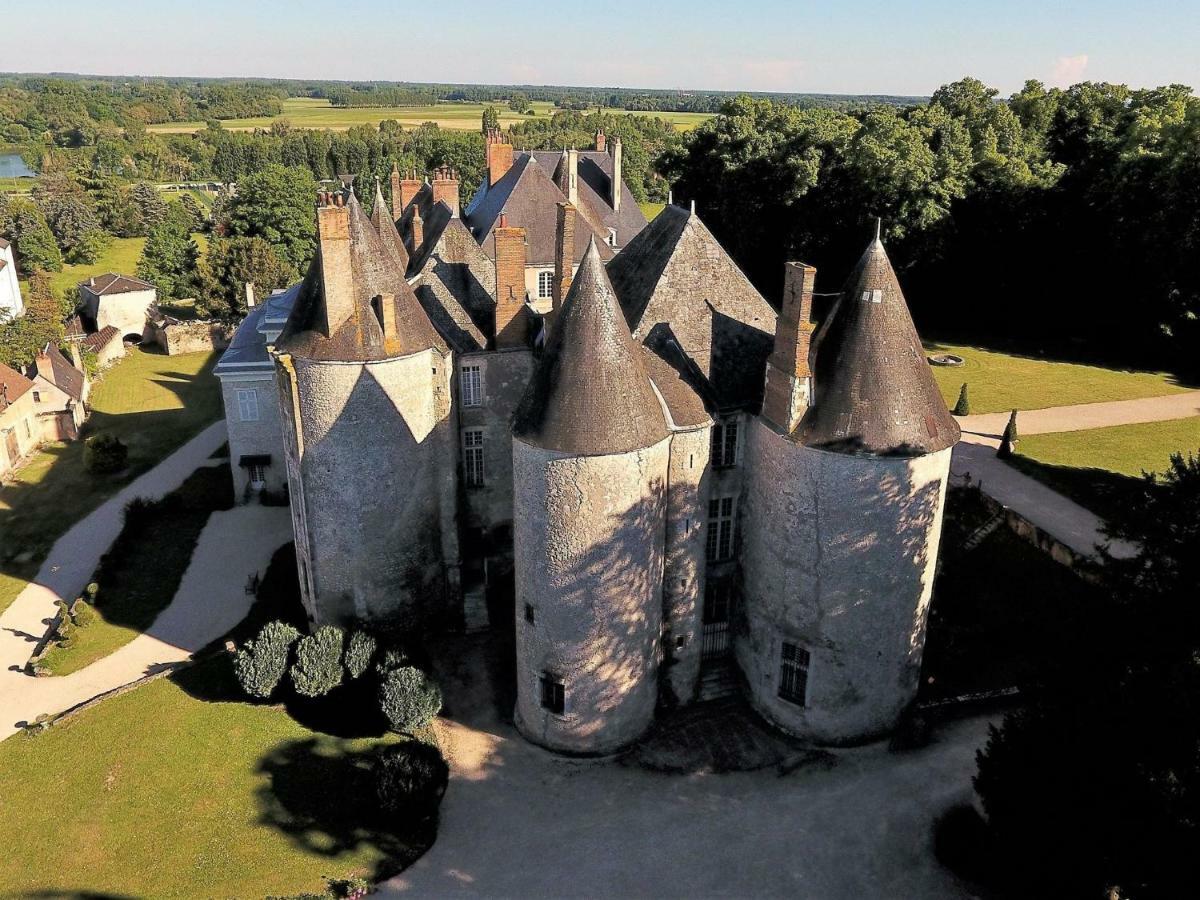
392 658
411 778
409 699
260 665
359 651
963 406
318 666
104 454
1010 430
82 614
1005 450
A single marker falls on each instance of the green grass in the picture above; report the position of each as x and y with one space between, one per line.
177 790
1002 381
16 185
153 403
121 257
308 112
1100 468
651 210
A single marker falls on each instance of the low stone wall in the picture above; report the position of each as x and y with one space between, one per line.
177 337
1040 538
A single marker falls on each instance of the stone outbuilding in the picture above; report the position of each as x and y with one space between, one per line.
60 392
20 433
121 301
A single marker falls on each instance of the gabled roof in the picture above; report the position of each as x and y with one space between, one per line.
12 385
55 368
873 391
529 198
111 283
455 282
595 193
381 218
360 338
675 273
100 339
590 394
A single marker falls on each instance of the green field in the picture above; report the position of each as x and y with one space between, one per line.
1002 381
153 403
1099 468
308 112
176 789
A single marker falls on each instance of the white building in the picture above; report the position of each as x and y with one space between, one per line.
118 300
10 291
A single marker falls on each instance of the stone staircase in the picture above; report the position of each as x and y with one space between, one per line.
979 534
718 679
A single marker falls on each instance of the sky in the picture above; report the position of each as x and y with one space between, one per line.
755 45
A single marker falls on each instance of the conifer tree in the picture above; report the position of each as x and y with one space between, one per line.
963 406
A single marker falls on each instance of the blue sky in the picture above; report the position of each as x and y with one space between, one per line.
835 47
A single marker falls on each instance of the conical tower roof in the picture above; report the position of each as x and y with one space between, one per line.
590 394
873 390
381 218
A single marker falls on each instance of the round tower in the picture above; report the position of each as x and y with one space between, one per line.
590 458
363 380
843 514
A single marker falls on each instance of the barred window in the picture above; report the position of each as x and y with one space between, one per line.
725 443
545 284
719 540
472 386
553 693
248 405
473 456
793 673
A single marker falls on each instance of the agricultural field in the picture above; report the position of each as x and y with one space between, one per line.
308 112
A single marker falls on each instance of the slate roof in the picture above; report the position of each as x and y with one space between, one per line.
381 218
360 338
16 383
455 282
590 394
51 365
595 193
873 390
529 197
112 283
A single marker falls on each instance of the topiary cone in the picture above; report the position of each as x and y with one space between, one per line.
1010 430
963 406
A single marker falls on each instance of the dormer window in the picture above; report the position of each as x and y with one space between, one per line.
612 237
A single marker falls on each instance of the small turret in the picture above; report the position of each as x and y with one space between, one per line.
389 237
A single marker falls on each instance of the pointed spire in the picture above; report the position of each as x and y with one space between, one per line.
393 245
874 393
878 228
590 394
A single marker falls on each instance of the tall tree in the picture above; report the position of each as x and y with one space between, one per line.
276 205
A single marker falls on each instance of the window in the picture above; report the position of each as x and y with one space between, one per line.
248 405
37 396
258 475
719 544
472 386
612 237
529 613
545 284
28 433
553 694
725 443
793 673
473 456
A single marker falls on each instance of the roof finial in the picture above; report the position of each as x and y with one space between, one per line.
693 206
878 226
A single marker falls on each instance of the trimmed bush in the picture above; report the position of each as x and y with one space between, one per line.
318 666
409 699
410 779
259 666
963 406
1010 430
359 651
82 613
104 454
392 658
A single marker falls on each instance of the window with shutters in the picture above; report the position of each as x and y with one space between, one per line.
725 443
471 382
473 456
545 284
553 694
793 673
719 544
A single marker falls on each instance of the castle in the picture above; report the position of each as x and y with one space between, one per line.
655 473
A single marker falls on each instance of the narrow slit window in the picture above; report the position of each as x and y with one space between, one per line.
553 693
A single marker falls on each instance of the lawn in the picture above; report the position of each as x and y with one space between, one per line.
309 112
1099 468
651 210
122 257
177 789
1002 381
153 403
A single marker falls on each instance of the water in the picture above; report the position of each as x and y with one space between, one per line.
13 166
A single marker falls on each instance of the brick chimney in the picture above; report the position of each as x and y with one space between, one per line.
499 156
333 250
564 255
408 189
789 378
384 307
510 284
418 230
601 141
397 194
445 188
616 175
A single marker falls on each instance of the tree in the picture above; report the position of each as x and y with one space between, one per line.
23 223
169 257
1010 429
491 119
276 205
963 406
226 268
151 207
104 454
261 664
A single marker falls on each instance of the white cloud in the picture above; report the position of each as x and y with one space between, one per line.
1068 70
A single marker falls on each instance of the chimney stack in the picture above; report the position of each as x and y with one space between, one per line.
408 190
385 310
445 188
418 230
510 284
789 378
333 251
564 255
397 193
616 176
601 141
499 156
249 295
568 175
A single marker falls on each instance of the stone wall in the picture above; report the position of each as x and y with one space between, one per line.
589 537
838 559
191 337
18 426
261 437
